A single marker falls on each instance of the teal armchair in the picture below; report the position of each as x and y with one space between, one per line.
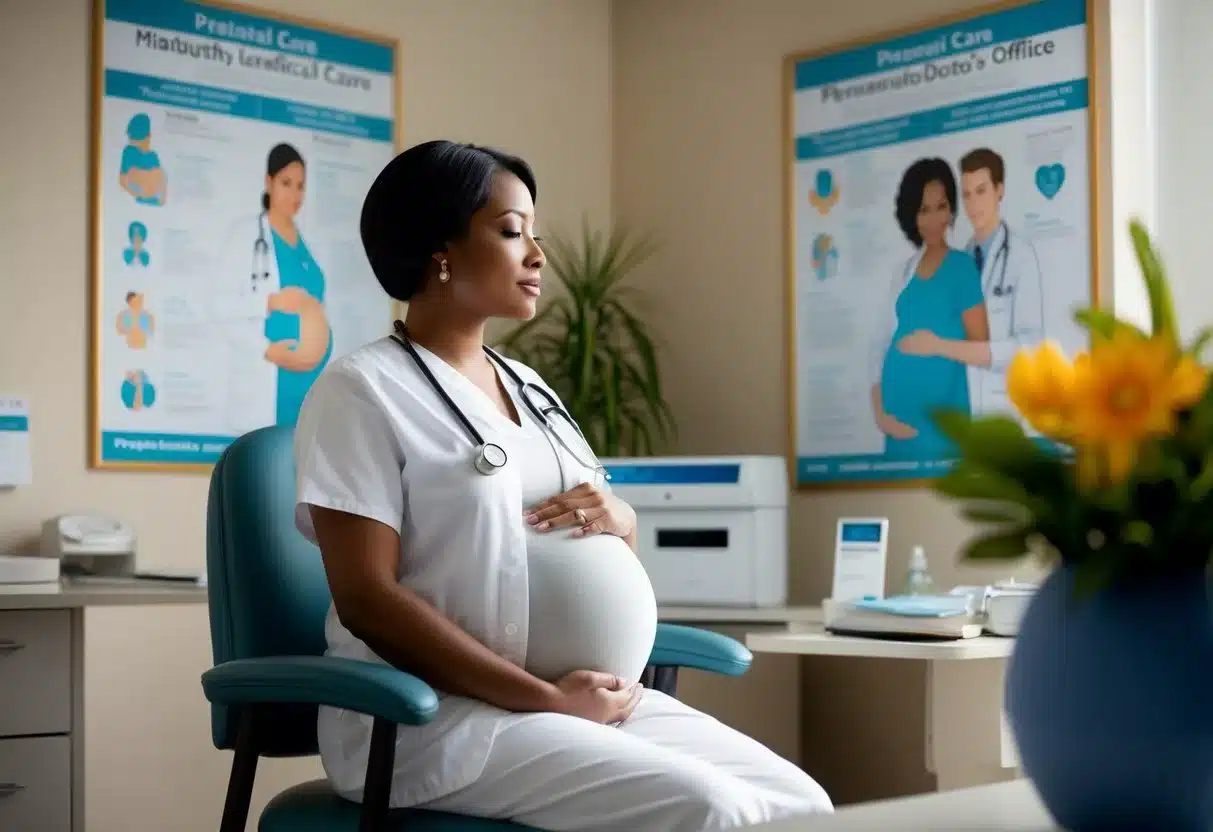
267 603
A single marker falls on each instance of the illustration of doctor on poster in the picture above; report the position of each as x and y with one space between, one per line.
276 305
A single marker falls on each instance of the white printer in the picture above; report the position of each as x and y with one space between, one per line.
710 530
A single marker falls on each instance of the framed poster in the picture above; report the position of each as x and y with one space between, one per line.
941 214
232 151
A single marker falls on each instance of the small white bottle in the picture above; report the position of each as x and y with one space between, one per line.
919 582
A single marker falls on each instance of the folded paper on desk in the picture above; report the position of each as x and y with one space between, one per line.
904 617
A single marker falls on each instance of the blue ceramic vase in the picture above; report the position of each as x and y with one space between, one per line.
1110 699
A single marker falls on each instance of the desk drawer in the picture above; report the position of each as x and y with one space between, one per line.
35 673
36 784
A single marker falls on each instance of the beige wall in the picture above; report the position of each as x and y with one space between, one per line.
529 75
698 157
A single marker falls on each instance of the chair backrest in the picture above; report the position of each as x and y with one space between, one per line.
268 595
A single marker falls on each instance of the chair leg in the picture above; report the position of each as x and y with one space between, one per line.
665 679
377 790
244 772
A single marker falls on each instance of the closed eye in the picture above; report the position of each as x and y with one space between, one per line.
514 235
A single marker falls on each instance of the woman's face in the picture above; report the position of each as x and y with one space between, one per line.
935 213
494 268
286 189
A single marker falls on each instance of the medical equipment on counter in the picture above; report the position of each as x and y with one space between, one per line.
861 547
1005 605
90 543
489 457
710 530
964 612
260 269
943 617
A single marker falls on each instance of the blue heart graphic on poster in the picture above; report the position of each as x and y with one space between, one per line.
1050 178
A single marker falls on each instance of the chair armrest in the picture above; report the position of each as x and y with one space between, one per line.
680 646
377 690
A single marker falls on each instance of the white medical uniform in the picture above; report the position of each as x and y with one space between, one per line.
1016 314
375 439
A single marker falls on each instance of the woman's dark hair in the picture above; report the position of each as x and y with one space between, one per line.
910 193
280 156
423 200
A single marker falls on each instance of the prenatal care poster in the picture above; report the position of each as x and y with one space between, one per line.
941 220
235 150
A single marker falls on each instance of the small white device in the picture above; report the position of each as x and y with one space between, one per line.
86 534
1005 605
710 530
90 543
861 548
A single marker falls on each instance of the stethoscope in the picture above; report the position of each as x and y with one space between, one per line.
490 457
1003 251
260 269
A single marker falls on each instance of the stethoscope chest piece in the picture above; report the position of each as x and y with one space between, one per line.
490 459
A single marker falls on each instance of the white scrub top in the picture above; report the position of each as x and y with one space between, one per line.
371 426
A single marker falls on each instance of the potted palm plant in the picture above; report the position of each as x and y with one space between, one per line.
590 344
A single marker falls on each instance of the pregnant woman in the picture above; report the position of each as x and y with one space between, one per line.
936 293
140 173
296 326
504 577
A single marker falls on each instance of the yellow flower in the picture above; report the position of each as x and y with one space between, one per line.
1188 382
1129 389
1041 386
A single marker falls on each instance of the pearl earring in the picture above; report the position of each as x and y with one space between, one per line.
444 273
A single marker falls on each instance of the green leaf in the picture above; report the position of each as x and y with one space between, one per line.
997 442
1202 485
1200 342
1162 309
967 481
954 424
1105 324
1138 532
994 513
1006 545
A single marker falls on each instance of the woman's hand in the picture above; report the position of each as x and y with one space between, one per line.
921 342
599 697
894 427
304 355
586 509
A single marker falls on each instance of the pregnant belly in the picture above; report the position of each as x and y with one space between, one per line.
913 386
591 607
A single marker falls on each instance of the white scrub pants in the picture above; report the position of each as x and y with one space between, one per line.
669 768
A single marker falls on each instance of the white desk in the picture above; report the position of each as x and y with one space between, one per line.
1003 807
42 696
967 737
